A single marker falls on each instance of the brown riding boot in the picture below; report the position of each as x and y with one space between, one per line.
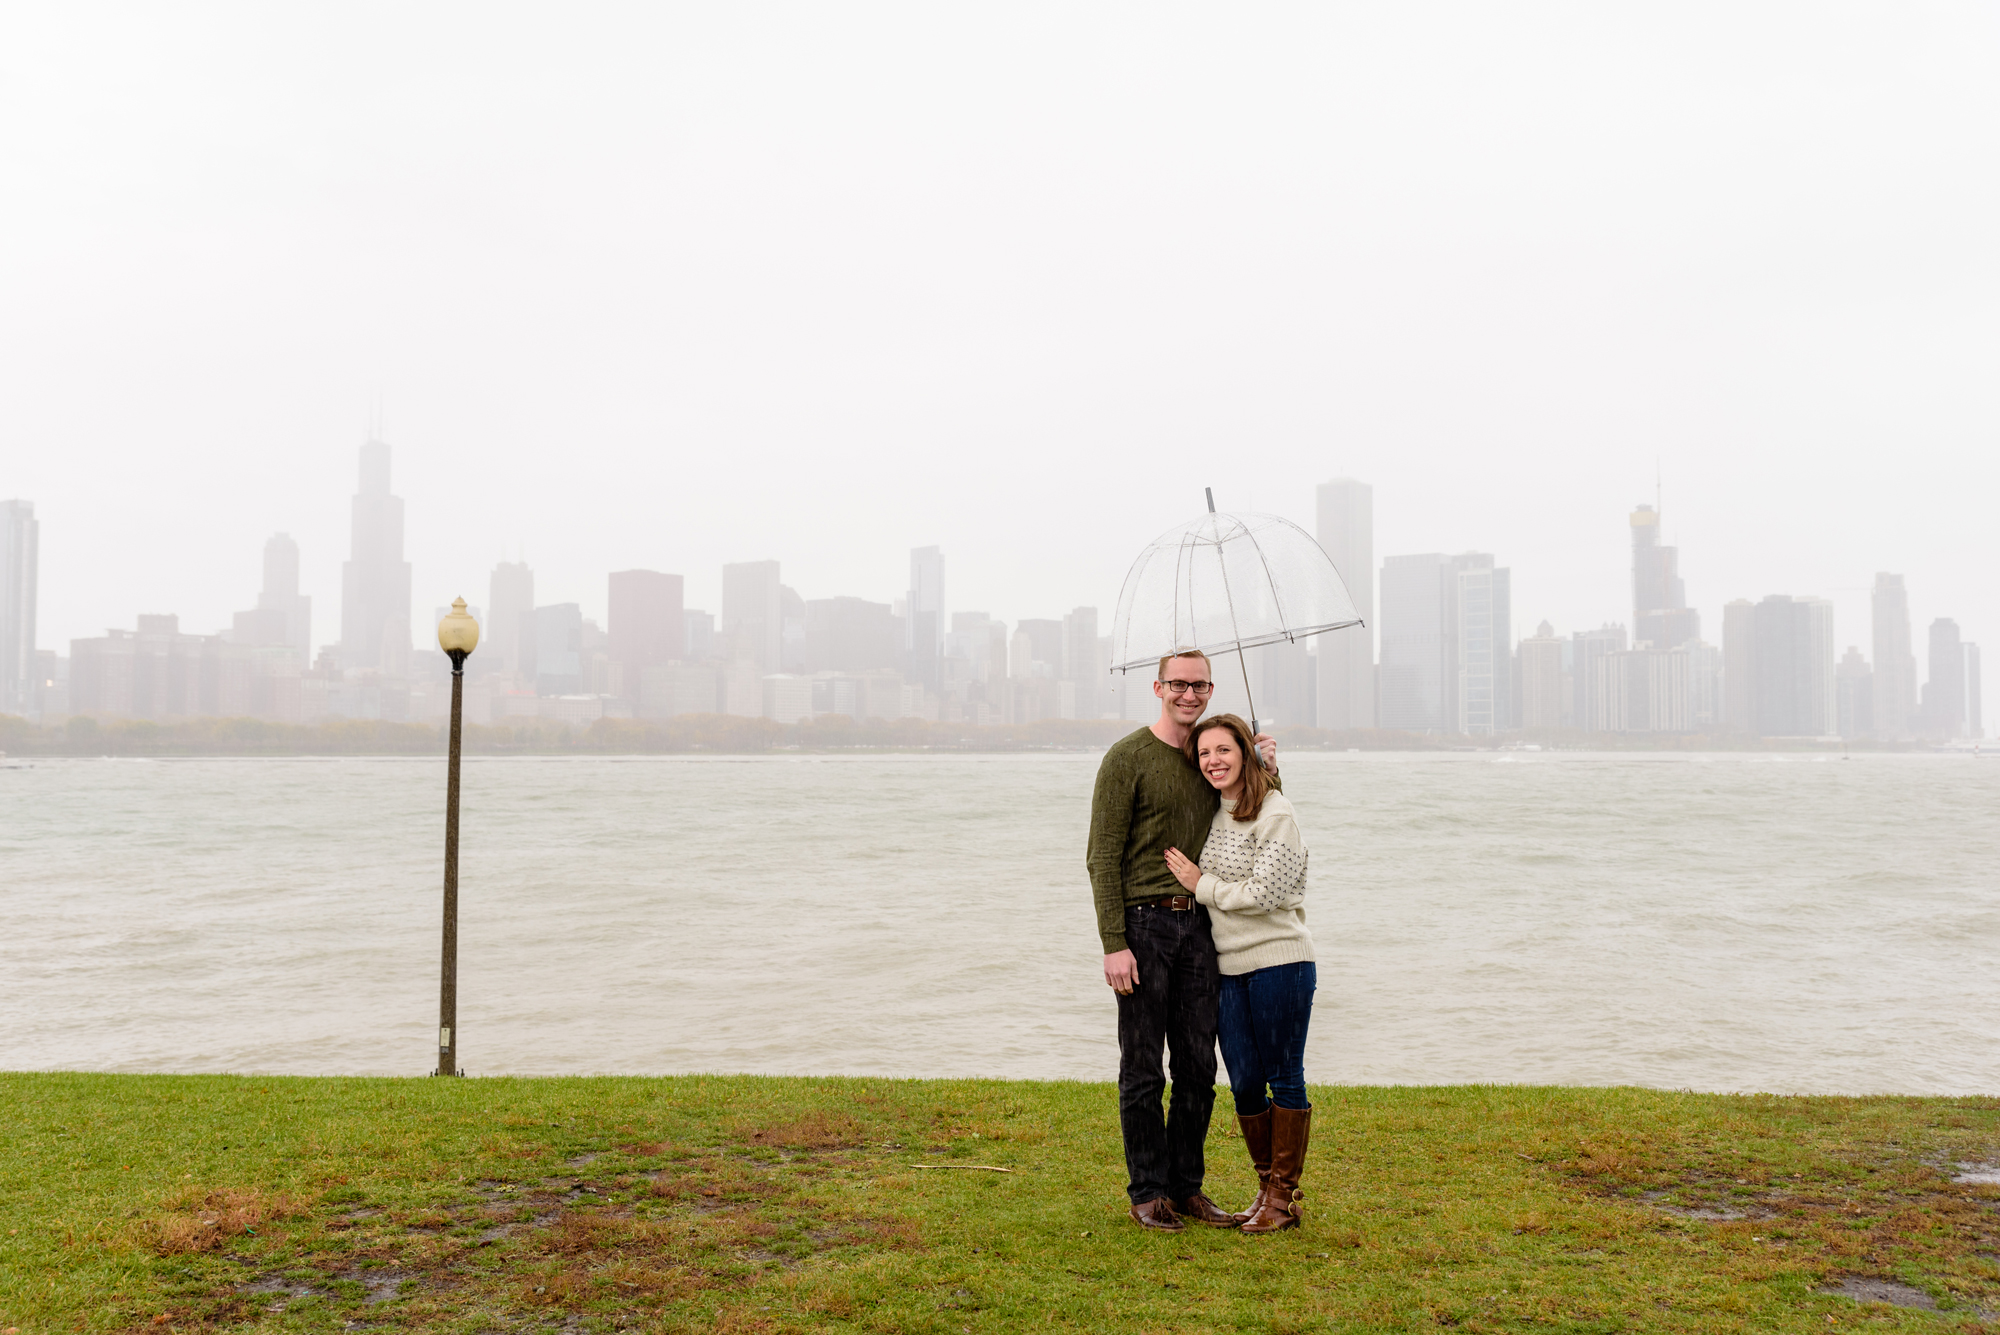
1278 1207
1257 1140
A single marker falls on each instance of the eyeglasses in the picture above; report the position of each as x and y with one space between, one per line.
1183 687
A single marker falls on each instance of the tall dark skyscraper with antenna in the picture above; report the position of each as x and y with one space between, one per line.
375 579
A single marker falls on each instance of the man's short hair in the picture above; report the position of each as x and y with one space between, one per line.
1184 653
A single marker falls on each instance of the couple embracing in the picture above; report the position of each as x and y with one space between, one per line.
1199 877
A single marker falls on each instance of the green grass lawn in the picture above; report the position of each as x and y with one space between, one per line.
740 1203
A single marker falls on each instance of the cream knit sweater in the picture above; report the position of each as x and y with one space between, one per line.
1253 879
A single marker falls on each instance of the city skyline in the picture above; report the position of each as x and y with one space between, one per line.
1450 661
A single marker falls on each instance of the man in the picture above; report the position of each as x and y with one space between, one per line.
1158 955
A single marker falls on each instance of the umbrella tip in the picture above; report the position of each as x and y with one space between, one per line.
1210 493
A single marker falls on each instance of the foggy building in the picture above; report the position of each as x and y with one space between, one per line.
1591 707
1086 660
851 635
699 644
753 625
924 608
1791 667
792 630
281 593
1541 667
510 621
1704 671
20 541
1483 607
1415 645
1661 617
558 639
647 628
1641 691
787 697
678 688
158 672
1947 695
1975 725
1446 663
375 580
1895 675
1044 639
1346 658
1854 695
1739 692
1286 686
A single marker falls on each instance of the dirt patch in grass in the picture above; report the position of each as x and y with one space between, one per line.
612 1242
1848 1212
814 1131
197 1220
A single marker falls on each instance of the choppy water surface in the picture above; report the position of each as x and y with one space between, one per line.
1721 922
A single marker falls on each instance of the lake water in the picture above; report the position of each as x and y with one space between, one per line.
1786 923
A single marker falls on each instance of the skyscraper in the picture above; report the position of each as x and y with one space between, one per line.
558 631
1945 692
1895 678
375 580
1483 663
1854 694
1594 706
510 610
647 628
1739 685
20 540
753 614
280 594
925 624
1541 665
1085 662
1347 657
1661 617
1792 668
1415 645
1447 656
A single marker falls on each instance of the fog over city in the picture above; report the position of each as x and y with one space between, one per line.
626 288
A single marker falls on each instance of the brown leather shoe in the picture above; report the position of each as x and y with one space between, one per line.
1205 1211
1257 1140
1291 1131
1157 1213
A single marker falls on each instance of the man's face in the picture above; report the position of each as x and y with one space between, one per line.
1185 706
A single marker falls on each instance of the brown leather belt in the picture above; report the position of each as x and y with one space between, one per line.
1178 903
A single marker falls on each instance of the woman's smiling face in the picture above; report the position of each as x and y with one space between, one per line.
1221 759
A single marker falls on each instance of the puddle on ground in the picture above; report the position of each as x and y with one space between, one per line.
1865 1290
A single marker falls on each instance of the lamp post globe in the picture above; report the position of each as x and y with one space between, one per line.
458 633
458 636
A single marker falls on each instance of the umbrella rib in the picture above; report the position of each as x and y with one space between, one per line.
1271 579
1242 665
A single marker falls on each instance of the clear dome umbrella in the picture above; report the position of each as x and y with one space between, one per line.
1224 583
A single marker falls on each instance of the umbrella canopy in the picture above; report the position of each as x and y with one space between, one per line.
1225 582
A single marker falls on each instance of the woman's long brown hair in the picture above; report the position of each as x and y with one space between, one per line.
1256 781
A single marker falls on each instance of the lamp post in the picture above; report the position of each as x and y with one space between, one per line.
458 633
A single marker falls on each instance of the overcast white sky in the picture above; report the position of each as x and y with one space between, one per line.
673 286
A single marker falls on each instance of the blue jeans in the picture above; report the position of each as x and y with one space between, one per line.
1262 1027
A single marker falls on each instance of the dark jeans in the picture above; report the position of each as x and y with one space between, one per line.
1173 1007
1262 1026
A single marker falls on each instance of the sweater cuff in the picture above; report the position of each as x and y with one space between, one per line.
1204 889
1113 942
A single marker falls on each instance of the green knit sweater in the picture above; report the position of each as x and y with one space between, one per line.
1148 799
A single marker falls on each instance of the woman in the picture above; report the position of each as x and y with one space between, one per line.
1252 877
